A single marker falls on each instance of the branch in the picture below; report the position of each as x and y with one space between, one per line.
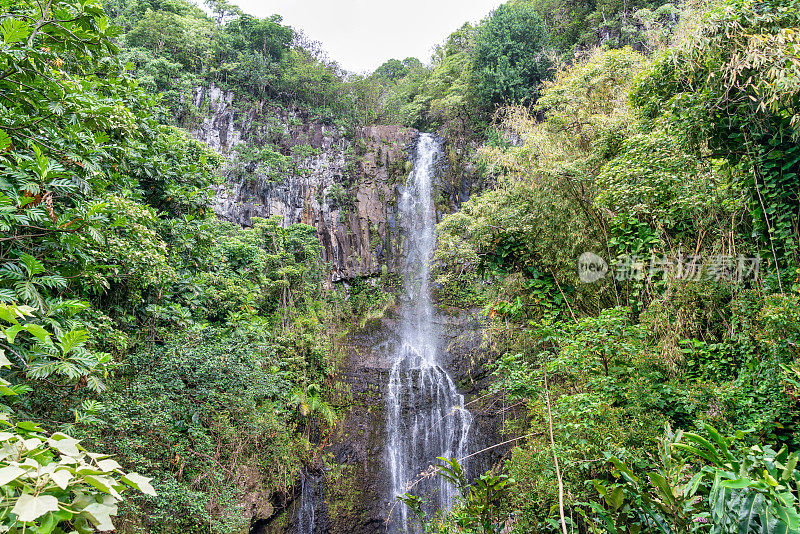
555 457
499 444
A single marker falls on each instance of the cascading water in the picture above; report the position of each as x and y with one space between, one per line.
311 517
426 417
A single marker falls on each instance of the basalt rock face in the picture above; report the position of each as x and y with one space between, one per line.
283 162
358 497
354 496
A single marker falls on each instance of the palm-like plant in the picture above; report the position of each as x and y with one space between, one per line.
312 407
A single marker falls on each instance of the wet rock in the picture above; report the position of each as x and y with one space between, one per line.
344 185
363 503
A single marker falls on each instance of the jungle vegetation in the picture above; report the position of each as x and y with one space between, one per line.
196 356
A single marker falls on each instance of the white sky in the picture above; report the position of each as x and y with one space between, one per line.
362 34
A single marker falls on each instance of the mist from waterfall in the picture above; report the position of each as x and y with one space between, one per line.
426 417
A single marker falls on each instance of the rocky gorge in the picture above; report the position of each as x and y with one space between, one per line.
286 163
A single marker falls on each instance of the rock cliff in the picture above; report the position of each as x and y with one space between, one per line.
283 162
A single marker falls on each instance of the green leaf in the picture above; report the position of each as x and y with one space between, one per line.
747 513
29 426
617 497
103 483
607 521
139 482
738 483
8 315
12 331
47 524
788 470
30 508
661 483
720 441
789 516
5 141
40 333
32 265
711 455
73 339
14 30
601 489
697 452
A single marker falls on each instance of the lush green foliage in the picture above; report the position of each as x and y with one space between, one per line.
739 491
131 317
175 47
50 483
201 353
688 153
479 507
510 58
581 25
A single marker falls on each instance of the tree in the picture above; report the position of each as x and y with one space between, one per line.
510 56
391 70
222 10
312 407
158 31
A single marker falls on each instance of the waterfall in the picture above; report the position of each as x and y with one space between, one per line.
426 417
311 517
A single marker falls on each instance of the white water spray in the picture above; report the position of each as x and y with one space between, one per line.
426 417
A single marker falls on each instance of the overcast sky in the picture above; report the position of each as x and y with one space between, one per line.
362 34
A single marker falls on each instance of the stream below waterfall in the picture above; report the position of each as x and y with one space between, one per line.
311 514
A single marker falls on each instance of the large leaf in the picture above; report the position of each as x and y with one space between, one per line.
12 331
748 512
738 483
61 477
64 444
10 473
711 453
100 515
722 445
139 482
108 465
29 507
14 30
5 141
104 484
73 339
32 265
40 333
665 491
